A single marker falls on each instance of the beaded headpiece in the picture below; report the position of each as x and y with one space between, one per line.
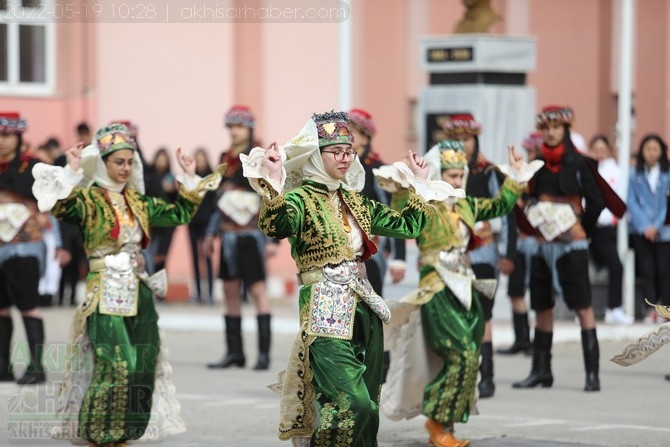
461 126
333 128
363 121
241 115
554 114
452 155
113 138
11 122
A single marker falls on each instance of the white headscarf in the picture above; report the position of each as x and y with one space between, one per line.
95 171
303 162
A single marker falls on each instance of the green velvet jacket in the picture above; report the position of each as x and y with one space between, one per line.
306 217
89 209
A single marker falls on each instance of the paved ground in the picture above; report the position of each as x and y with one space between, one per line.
234 408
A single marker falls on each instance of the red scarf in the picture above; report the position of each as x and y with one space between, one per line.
553 157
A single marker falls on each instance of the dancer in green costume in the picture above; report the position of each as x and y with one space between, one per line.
311 194
117 385
444 316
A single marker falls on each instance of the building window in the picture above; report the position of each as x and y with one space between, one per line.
27 47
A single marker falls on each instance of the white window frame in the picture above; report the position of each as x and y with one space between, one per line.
13 86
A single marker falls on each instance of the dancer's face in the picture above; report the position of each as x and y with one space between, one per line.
337 159
8 143
120 165
360 139
553 134
239 134
454 177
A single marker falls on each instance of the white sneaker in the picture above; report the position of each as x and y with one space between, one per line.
618 317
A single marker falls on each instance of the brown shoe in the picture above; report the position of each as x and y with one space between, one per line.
441 438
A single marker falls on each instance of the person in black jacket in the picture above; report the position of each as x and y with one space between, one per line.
243 245
565 200
22 251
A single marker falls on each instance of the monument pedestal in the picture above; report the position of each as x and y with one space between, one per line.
484 75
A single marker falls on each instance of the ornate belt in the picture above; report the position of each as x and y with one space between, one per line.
341 273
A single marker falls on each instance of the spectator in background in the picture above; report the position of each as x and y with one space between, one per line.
197 229
84 134
603 244
648 191
49 151
161 237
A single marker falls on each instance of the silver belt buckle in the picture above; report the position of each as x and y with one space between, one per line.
341 273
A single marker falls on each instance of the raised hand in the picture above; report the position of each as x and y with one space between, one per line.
186 162
515 159
73 156
272 161
418 165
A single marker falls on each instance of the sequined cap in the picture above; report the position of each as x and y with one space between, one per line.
113 138
452 155
333 128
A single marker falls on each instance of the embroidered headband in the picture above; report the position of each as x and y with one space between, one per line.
554 114
11 122
239 115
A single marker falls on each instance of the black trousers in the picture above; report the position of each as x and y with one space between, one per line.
603 248
653 264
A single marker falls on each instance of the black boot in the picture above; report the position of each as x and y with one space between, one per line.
235 354
386 364
540 373
591 352
35 335
6 329
521 336
264 338
486 386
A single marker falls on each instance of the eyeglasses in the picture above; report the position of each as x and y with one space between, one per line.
350 154
120 162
